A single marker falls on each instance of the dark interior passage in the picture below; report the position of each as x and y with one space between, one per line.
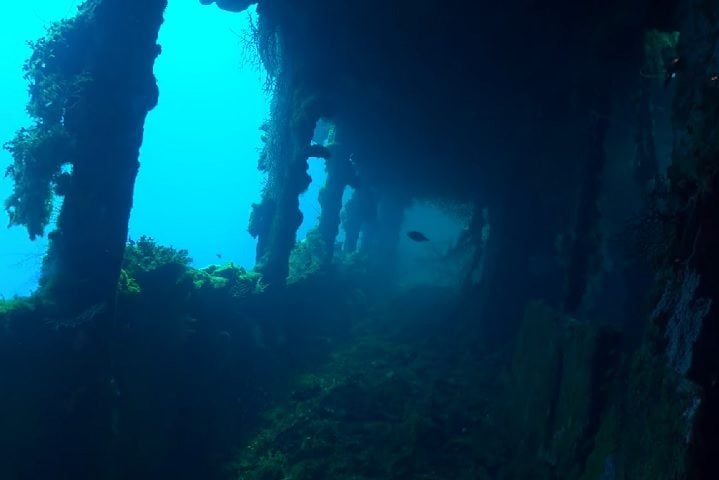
519 284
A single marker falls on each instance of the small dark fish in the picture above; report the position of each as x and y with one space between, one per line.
218 255
416 236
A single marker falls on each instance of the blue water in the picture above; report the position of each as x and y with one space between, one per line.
198 175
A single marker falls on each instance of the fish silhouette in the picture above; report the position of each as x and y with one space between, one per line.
416 236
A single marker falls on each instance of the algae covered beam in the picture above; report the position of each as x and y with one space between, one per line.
340 175
276 219
297 105
91 86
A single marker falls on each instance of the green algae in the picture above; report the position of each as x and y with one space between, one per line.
15 307
144 255
382 408
307 256
56 82
660 49
560 374
647 431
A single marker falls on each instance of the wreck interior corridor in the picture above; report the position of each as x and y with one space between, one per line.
361 240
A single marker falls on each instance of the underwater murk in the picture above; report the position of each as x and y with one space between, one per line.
359 240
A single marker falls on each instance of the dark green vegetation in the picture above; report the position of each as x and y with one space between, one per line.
579 139
405 398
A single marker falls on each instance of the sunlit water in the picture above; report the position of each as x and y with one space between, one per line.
198 175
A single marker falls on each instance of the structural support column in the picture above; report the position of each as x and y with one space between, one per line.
587 242
687 312
86 250
293 116
92 85
360 210
381 237
340 175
